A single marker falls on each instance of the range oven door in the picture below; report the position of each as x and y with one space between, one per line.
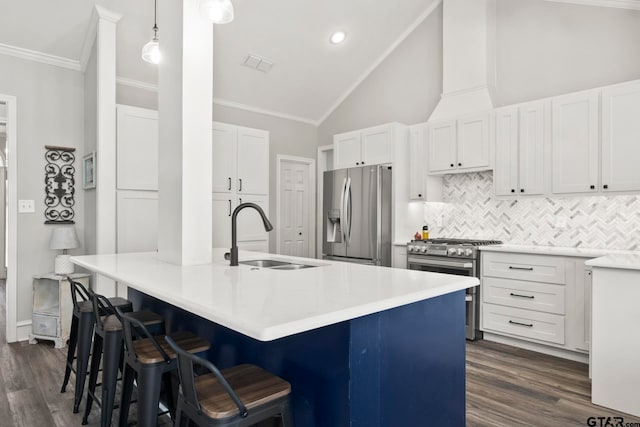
459 267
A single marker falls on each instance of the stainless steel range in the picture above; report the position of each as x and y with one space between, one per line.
452 256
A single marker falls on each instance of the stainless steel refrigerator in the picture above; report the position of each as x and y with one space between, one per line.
357 215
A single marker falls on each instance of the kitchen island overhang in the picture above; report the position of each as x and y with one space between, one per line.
361 345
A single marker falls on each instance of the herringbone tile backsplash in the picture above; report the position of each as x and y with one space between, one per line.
471 210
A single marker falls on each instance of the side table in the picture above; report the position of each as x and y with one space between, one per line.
52 307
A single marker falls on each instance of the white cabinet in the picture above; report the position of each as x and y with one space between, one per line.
421 186
240 159
519 135
137 148
621 138
137 220
222 207
251 233
461 145
574 143
369 146
250 226
399 256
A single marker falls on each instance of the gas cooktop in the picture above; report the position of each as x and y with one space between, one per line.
459 248
464 242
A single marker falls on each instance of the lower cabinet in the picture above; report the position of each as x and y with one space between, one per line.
543 299
399 256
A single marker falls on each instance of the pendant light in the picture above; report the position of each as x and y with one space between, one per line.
151 51
218 11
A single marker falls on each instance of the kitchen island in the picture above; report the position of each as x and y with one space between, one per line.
360 345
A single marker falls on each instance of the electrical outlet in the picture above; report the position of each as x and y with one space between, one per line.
26 206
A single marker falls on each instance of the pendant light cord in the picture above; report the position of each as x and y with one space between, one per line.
155 19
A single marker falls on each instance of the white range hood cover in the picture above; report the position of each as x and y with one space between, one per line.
468 58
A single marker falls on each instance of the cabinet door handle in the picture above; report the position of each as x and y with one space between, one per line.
522 296
522 190
240 184
593 187
452 164
605 186
357 163
459 164
419 195
520 268
240 200
229 207
229 186
362 163
528 325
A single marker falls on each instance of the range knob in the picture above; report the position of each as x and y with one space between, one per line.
423 249
468 252
460 251
451 251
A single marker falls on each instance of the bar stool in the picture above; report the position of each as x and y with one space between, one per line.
240 396
82 323
150 360
107 339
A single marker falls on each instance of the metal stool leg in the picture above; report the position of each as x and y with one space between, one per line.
127 389
85 330
149 384
73 340
110 365
93 376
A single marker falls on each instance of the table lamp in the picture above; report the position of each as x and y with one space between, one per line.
63 238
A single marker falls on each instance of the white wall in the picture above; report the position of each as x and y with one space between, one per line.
405 87
547 48
286 136
50 112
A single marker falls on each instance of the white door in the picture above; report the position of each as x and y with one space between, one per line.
293 211
137 218
531 148
347 150
377 145
621 138
253 161
224 157
506 168
574 143
417 160
473 141
442 146
137 148
222 207
3 224
249 222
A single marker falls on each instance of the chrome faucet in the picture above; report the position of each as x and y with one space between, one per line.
233 255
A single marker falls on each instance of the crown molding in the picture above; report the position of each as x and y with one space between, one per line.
380 59
619 4
222 102
89 39
107 15
45 58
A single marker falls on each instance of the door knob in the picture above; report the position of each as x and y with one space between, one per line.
299 234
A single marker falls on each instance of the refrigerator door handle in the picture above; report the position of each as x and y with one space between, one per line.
348 210
343 219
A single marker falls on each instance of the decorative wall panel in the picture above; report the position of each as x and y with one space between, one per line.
471 210
59 185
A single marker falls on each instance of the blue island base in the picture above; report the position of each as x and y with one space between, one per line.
400 367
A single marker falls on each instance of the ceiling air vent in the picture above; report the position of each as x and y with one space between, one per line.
258 63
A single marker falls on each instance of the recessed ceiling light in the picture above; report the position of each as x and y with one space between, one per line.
338 37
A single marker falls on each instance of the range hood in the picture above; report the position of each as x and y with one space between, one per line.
468 58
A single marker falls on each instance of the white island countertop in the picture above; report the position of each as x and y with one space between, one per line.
267 304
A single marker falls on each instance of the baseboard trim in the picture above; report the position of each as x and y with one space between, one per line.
540 348
23 329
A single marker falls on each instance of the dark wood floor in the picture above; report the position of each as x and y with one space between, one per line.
506 386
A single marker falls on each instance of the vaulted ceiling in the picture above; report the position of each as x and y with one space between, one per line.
310 75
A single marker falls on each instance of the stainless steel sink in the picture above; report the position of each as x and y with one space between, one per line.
265 263
292 267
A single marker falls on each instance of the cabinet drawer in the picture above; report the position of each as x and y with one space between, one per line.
44 325
528 295
524 323
537 268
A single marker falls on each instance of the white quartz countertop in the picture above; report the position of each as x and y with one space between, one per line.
267 304
624 261
556 250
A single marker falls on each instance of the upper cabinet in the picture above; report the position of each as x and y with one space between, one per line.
240 159
519 164
461 145
574 143
621 138
137 148
421 186
369 146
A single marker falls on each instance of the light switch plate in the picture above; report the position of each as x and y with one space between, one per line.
26 206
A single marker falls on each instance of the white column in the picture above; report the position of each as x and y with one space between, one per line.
106 142
185 97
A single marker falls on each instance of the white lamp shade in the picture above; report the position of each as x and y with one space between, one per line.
151 52
64 238
218 11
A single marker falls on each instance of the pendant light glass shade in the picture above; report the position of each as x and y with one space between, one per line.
151 52
218 11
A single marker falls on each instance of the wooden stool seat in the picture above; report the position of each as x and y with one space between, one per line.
253 385
147 353
111 323
87 306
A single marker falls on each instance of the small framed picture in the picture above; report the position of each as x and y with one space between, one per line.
89 171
